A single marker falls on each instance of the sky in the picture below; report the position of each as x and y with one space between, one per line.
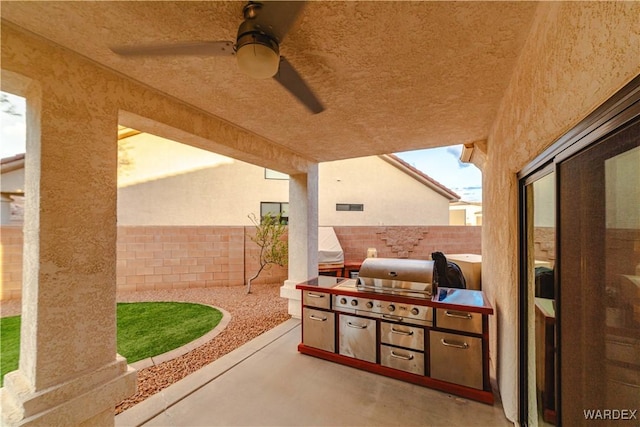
442 164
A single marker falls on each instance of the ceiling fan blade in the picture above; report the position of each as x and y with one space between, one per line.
288 77
208 48
277 17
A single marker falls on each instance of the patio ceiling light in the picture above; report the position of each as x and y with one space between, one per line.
258 55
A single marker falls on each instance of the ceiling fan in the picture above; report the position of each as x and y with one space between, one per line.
257 48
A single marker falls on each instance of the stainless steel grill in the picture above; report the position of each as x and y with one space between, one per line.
395 277
406 277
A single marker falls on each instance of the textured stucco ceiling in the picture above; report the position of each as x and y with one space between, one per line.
393 76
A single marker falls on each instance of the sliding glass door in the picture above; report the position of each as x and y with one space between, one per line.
580 272
599 253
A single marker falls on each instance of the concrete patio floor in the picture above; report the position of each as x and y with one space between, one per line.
267 382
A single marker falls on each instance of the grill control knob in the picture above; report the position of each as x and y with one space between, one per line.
392 307
415 311
354 302
369 304
343 300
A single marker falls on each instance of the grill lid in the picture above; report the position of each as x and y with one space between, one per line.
397 276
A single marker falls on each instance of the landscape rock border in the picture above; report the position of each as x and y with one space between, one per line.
177 352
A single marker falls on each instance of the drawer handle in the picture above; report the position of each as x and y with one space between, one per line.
399 332
321 319
401 356
353 325
392 317
462 346
457 315
312 295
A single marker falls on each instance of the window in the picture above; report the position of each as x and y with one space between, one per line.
271 174
354 207
275 208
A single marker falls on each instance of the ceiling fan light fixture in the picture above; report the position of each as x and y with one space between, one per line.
258 55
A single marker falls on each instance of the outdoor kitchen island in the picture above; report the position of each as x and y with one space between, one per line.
440 341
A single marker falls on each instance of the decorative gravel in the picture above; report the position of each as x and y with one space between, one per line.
251 315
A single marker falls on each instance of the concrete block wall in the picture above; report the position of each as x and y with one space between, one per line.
11 257
408 241
545 244
171 257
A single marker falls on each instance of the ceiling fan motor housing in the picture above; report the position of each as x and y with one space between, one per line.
258 53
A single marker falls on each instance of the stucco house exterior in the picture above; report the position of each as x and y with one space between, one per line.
465 213
536 88
162 182
12 190
204 188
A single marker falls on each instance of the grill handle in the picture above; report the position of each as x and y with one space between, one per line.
362 286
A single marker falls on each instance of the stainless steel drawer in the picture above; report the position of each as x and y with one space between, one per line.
316 299
402 335
318 329
402 359
456 359
357 337
459 320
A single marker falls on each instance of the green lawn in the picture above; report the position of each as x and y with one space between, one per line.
9 345
145 329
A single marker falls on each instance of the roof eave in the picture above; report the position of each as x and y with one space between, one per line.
420 177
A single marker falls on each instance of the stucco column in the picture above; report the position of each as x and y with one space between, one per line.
69 371
303 235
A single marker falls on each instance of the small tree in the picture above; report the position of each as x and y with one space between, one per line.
269 238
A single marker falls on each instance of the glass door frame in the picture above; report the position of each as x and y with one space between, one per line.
622 108
524 296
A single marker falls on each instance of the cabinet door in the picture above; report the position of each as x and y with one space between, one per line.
357 338
318 329
456 359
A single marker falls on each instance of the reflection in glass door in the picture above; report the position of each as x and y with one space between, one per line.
599 298
540 258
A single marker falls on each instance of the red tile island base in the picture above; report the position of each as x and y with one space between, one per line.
440 342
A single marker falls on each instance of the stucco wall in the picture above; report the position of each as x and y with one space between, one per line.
389 196
577 56
167 183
